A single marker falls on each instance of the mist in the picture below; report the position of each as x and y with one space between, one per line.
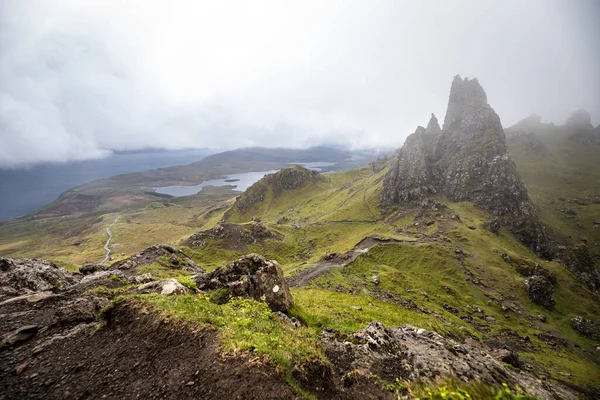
79 80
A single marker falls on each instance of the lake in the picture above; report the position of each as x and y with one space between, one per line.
25 190
240 181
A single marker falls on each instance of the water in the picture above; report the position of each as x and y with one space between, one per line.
25 190
241 182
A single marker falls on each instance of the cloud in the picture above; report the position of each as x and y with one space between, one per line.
81 79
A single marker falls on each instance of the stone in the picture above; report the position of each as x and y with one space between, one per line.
25 276
21 368
19 336
91 268
139 279
290 320
540 290
585 327
506 258
418 355
375 279
542 317
250 276
79 310
466 160
165 287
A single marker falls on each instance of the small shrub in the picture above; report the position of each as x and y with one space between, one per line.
219 296
188 282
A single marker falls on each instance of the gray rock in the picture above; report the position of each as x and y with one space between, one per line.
164 287
418 355
585 327
79 310
251 276
375 279
467 160
144 278
540 289
289 320
91 268
25 276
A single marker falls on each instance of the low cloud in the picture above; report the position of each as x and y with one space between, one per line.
81 79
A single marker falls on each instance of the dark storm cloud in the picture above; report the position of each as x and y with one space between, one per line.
79 79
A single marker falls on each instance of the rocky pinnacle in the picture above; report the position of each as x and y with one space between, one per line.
466 160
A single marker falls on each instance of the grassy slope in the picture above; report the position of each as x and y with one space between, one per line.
567 170
74 240
335 214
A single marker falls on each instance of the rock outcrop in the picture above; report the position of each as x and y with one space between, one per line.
540 289
585 327
419 355
250 276
166 255
26 275
466 160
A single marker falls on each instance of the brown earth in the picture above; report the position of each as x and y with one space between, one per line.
137 355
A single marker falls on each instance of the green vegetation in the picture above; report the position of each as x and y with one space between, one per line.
245 324
453 390
447 276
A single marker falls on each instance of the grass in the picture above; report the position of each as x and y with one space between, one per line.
247 325
333 215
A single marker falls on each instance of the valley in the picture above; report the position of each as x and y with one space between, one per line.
445 267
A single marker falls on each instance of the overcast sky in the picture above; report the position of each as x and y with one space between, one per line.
81 78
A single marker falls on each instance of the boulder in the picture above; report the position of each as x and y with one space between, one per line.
250 276
91 268
18 336
164 287
79 310
585 327
540 289
25 276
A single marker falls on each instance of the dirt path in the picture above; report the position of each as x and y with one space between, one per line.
337 260
106 246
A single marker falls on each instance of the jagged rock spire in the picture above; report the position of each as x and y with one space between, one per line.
433 126
467 160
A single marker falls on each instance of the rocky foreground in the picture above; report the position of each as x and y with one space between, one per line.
63 335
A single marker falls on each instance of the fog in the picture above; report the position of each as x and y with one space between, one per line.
80 79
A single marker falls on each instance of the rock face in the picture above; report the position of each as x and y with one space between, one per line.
157 254
540 291
467 160
585 327
251 276
413 354
25 275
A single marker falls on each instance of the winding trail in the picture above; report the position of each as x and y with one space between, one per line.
304 277
109 233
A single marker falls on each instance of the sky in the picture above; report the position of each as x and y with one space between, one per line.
81 79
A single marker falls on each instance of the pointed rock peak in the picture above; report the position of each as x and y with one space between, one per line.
580 118
433 126
467 97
